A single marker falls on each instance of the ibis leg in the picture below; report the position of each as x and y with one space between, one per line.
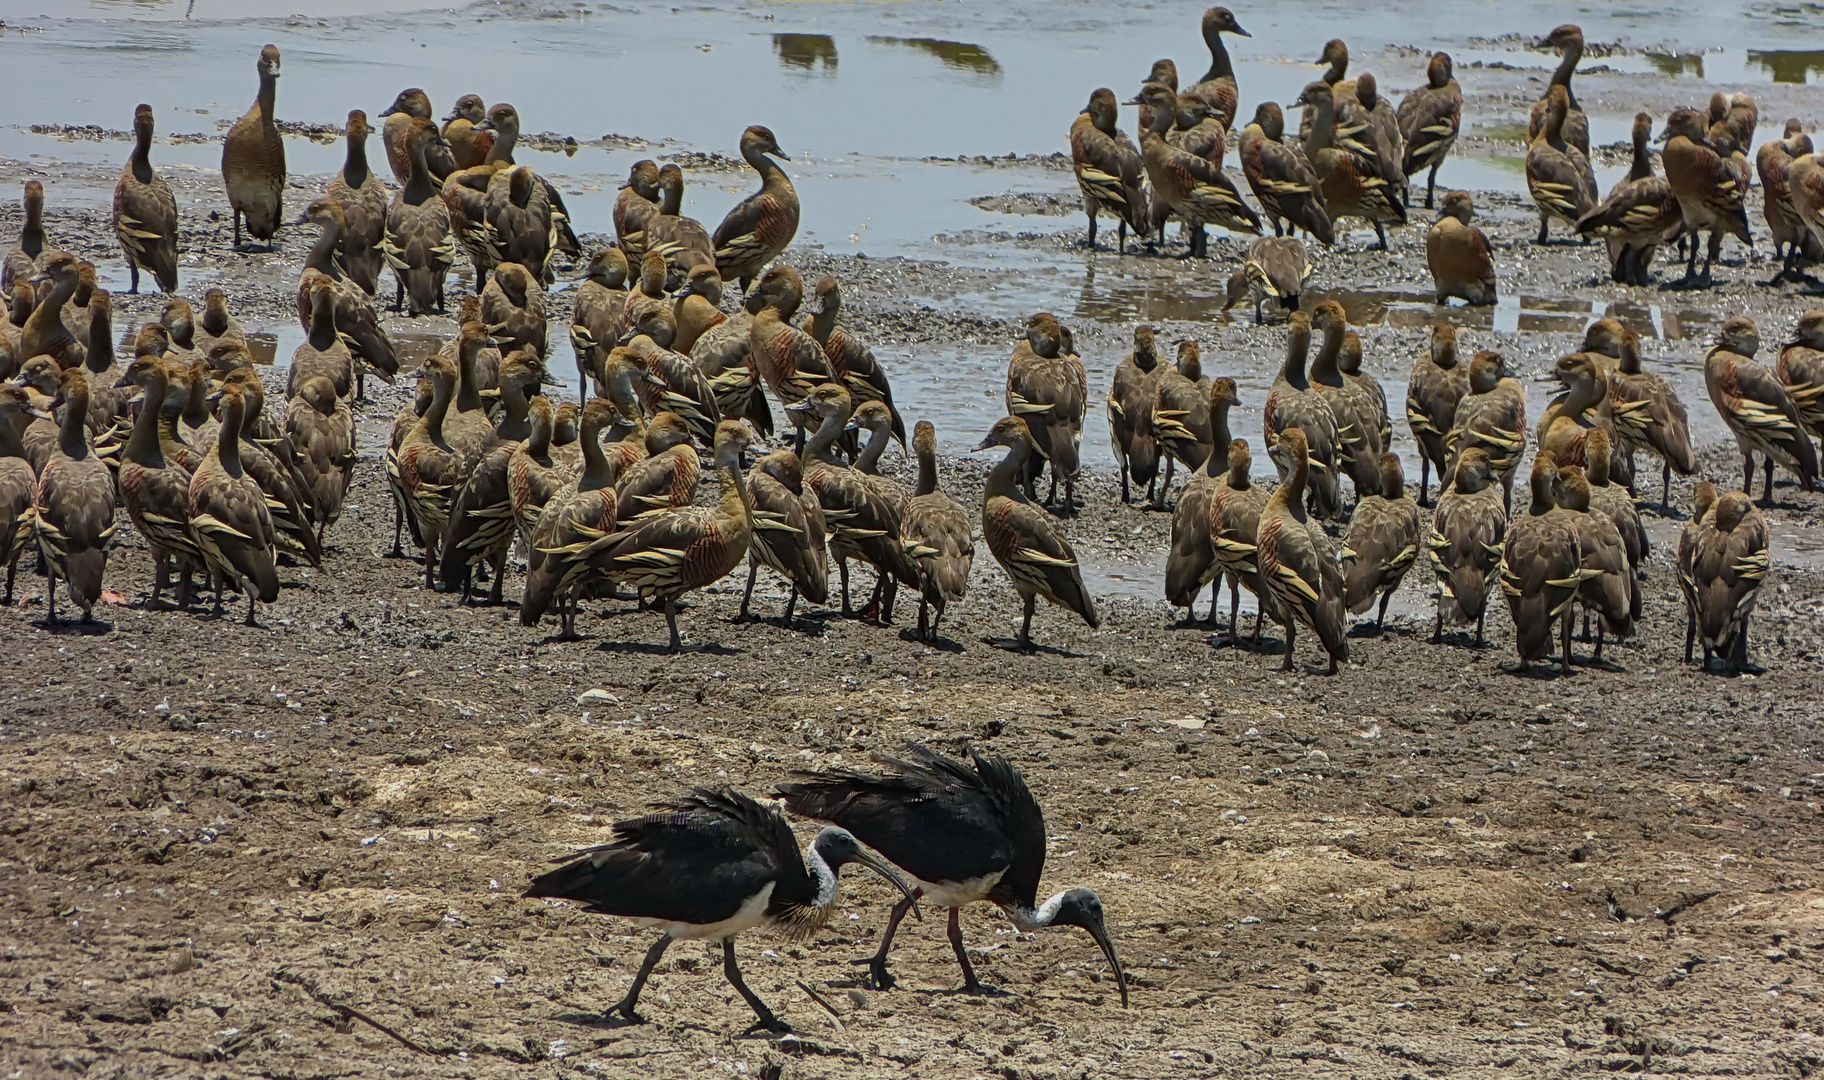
767 1021
878 975
971 984
626 1005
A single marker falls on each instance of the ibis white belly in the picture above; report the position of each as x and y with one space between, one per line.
750 914
956 894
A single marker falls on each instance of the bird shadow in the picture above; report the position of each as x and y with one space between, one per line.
1545 670
1461 639
1013 645
596 1021
941 644
1593 664
653 648
92 628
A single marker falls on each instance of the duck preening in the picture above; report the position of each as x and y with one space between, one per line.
708 866
963 831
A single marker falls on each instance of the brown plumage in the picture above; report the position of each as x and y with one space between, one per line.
1607 583
1382 132
1711 187
579 513
519 219
683 241
788 360
939 536
1024 539
45 333
1429 118
1358 429
469 145
253 160
1190 561
1568 40
1492 415
1282 178
1466 543
1165 73
322 431
761 226
862 524
1568 420
789 531
673 383
17 480
665 479
156 492
1130 414
1296 563
1614 501
1650 415
724 353
1351 178
547 203
1196 188
1236 504
534 476
274 469
419 244
1370 396
1639 214
216 323
1181 416
357 323
411 105
363 199
1293 403
684 549
229 515
1801 370
145 211
429 468
696 308
1108 169
1756 407
1217 89
322 352
1048 387
598 317
1198 130
1558 173
1723 559
1805 189
21 261
848 354
1274 268
513 308
1541 569
1773 162
1461 262
1381 544
635 206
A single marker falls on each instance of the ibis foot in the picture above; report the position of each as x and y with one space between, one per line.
769 1023
879 978
626 1010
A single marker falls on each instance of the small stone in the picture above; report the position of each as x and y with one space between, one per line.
597 694
182 960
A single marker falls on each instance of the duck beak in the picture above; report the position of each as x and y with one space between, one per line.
1135 100
800 406
778 153
1234 28
485 125
986 442
874 863
38 414
852 425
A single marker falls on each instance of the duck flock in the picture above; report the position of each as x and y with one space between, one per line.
599 495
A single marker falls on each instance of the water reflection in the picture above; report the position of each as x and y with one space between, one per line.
1788 66
1682 64
807 52
955 54
1130 300
264 348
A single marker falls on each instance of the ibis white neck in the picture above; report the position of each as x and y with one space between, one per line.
823 875
1037 918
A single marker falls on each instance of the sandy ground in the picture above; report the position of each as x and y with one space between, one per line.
221 847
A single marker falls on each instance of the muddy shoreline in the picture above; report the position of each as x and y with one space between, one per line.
211 837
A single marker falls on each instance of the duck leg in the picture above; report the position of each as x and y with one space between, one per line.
50 593
500 577
677 643
1437 628
971 985
1748 471
1431 182
625 1006
1380 620
878 975
1165 485
250 606
1479 619
923 606
1092 229
160 579
1564 634
1291 636
237 230
1665 488
790 602
753 571
1424 461
1767 493
843 566
1121 234
1380 233
1215 600
133 267
1025 643
1542 222
12 568
1234 614
1690 633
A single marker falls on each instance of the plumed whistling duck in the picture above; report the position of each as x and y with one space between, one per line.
1296 562
1195 187
145 211
1024 539
229 515
1466 543
1492 415
1382 542
1558 174
1723 559
419 244
761 226
1217 88
363 199
156 492
1293 403
1048 387
1639 214
1711 188
1351 179
789 531
1606 582
1757 408
1275 268
1568 40
1282 178
1461 261
1130 414
1773 162
253 160
1108 169
1429 118
939 537
1541 569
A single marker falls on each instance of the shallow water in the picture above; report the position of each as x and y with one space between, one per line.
861 95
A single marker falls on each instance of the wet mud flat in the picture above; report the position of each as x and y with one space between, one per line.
219 844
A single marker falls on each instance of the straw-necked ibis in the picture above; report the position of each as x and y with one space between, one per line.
705 868
963 831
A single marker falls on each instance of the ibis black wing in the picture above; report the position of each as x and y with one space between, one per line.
696 862
935 817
